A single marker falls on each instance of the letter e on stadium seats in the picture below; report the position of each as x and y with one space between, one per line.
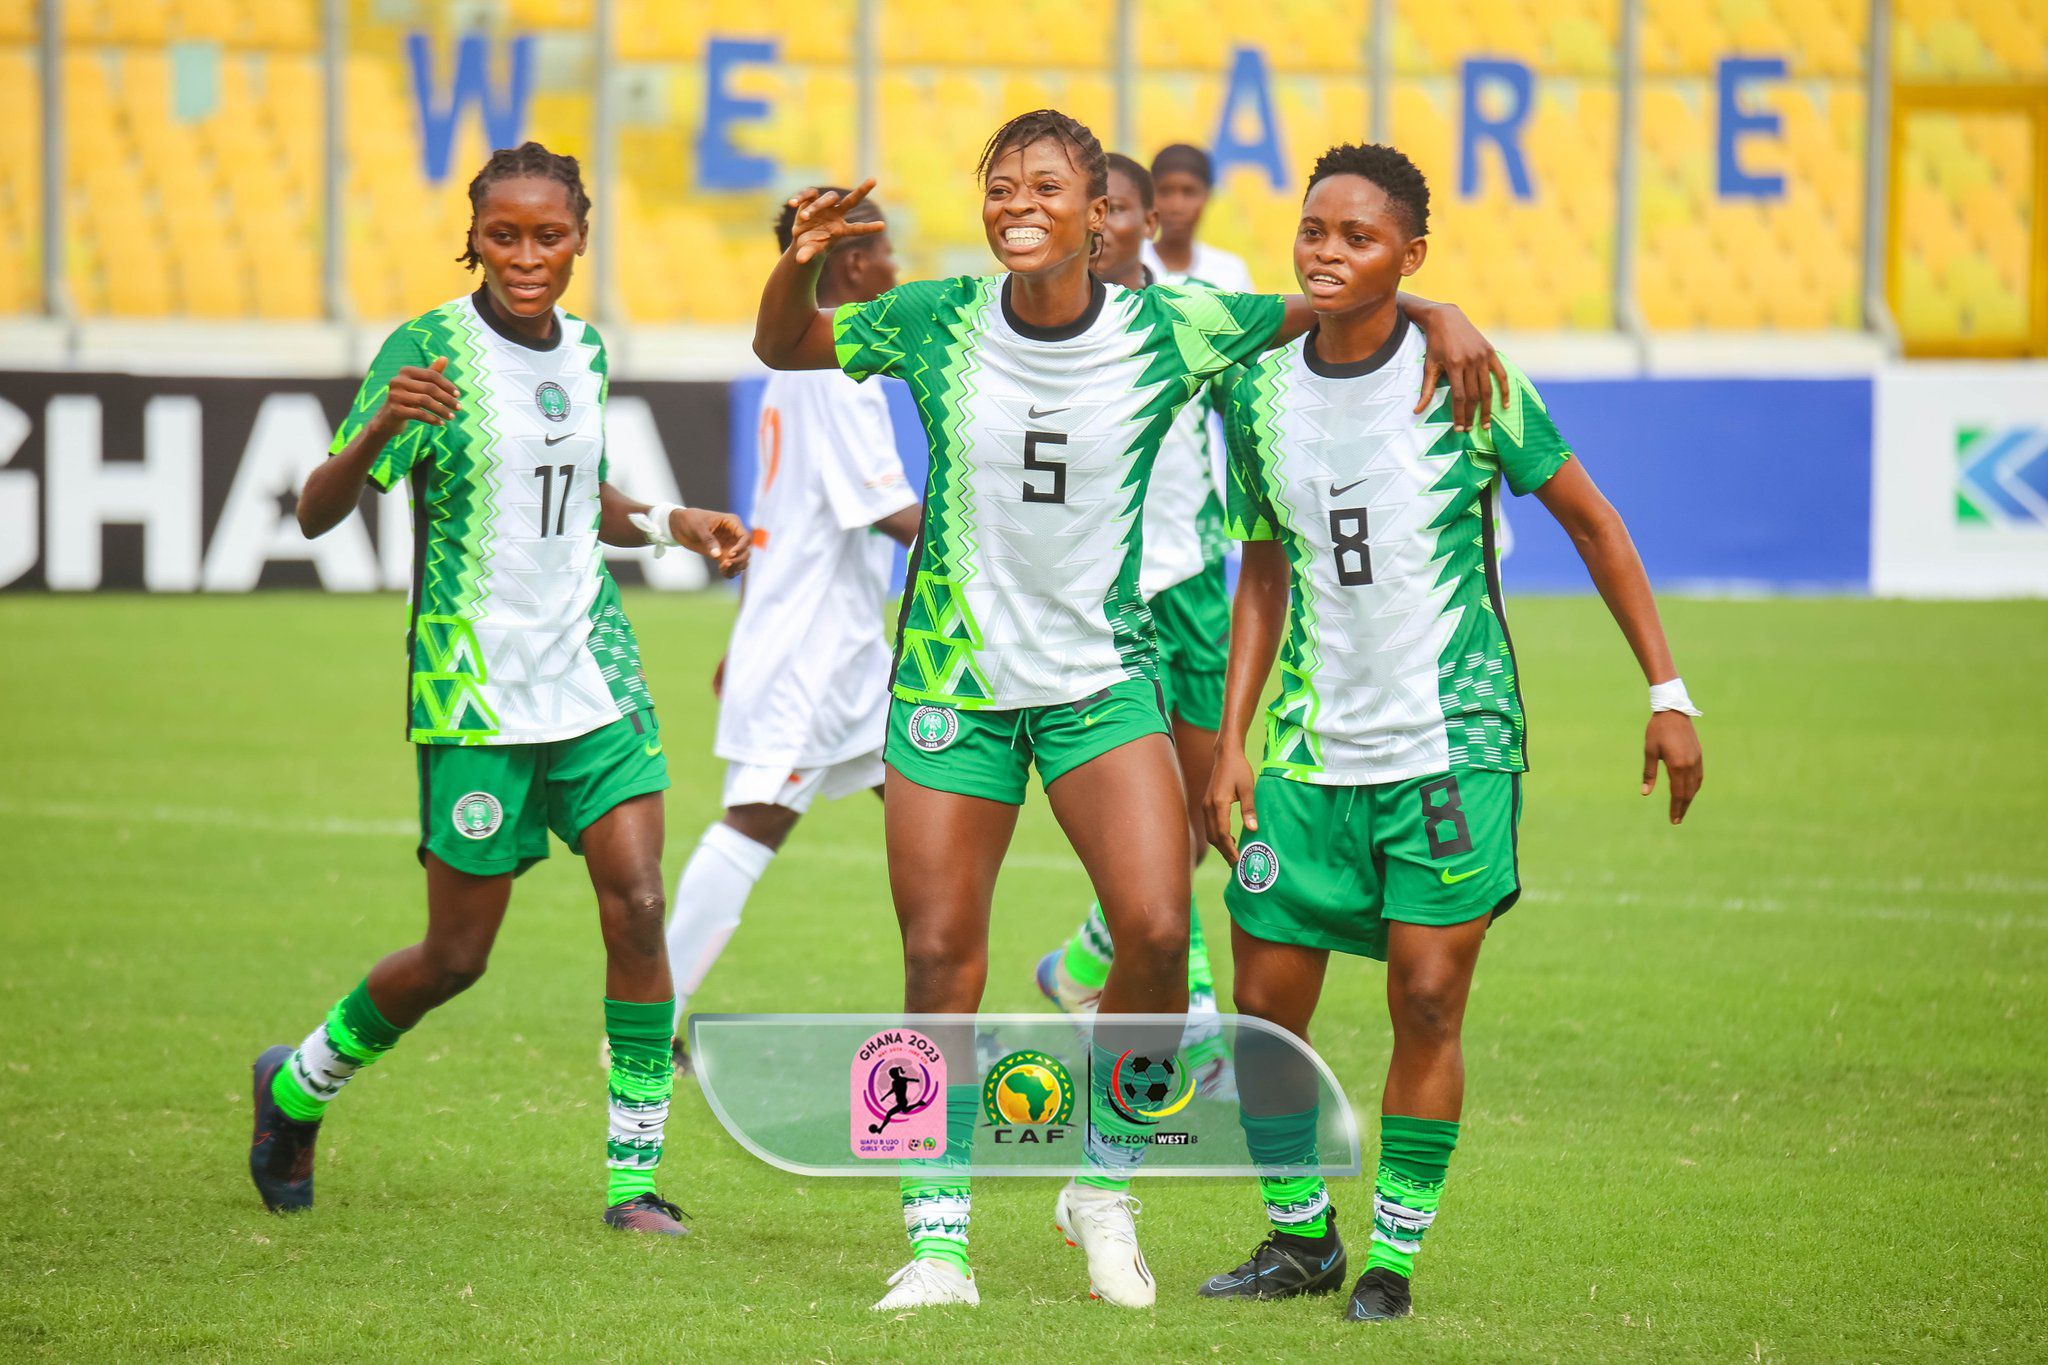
720 164
1732 121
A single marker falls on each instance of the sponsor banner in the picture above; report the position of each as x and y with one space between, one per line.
856 1094
188 485
1961 476
1726 484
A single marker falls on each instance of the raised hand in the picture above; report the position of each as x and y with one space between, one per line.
821 220
418 395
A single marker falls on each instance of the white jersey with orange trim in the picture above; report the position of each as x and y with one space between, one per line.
807 672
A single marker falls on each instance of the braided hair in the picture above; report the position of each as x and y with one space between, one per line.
528 159
1083 150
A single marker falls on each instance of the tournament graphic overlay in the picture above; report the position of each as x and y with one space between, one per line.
898 1089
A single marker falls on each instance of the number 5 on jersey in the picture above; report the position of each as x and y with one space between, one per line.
1057 492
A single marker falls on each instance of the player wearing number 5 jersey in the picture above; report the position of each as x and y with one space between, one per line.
804 687
525 700
1024 637
1383 821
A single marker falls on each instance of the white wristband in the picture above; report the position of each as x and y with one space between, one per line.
654 524
1670 696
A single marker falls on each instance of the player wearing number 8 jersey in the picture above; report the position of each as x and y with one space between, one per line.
1044 394
1383 823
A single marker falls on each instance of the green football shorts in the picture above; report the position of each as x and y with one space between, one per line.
1193 620
1329 866
487 809
989 753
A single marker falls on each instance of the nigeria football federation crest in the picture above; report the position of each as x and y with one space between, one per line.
1258 867
932 728
477 815
553 401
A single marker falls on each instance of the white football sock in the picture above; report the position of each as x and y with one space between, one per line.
710 895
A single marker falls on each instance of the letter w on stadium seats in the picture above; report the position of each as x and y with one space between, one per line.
472 84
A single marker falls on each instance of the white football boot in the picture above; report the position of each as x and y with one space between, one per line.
1103 1223
928 1284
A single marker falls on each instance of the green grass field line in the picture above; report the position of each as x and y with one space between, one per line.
1770 1086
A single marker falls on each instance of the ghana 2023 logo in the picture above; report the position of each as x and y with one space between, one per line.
897 1081
1147 1089
1028 1097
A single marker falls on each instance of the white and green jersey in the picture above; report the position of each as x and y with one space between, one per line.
1396 662
517 634
1183 507
1024 588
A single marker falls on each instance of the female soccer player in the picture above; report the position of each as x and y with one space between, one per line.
1024 639
1183 179
1383 821
1182 580
526 701
804 686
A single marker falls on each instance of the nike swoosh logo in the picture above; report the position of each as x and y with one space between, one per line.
1449 880
556 440
1037 412
1094 716
1337 492
651 749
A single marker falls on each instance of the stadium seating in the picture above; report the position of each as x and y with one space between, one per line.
21 186
1948 40
1964 271
217 211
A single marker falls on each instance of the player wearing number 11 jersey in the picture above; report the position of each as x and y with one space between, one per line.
1383 821
525 702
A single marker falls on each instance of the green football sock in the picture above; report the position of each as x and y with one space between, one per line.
642 1077
352 1036
1295 1204
1089 952
1116 1143
936 1198
1415 1155
1201 980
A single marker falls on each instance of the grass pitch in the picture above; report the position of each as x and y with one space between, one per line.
1770 1086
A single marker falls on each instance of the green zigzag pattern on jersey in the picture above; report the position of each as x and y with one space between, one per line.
940 636
448 699
1177 376
1292 749
1461 551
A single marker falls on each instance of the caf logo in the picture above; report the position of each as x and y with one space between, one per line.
553 401
1258 867
478 815
932 728
1028 1089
